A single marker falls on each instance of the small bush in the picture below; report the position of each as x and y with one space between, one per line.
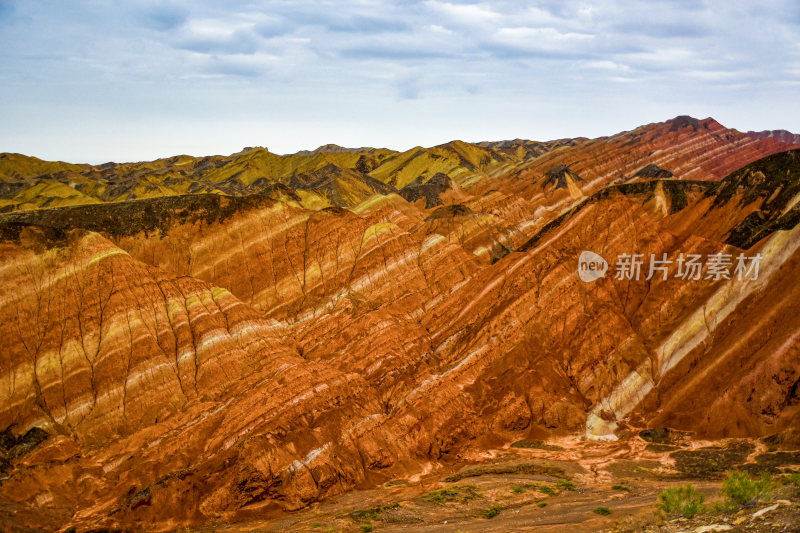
683 500
740 490
620 487
766 484
454 493
541 504
566 484
517 489
491 512
693 508
723 507
603 511
366 528
793 479
316 524
550 491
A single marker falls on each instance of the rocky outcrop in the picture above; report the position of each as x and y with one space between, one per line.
653 171
430 190
560 177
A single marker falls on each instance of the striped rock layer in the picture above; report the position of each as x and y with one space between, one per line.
196 358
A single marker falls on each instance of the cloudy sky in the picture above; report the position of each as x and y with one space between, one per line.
100 80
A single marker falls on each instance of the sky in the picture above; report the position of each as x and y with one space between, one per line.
95 81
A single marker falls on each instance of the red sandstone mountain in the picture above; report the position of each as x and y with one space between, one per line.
778 135
189 358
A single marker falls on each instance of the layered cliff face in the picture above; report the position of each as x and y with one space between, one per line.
186 359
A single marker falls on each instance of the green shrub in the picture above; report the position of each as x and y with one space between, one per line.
316 524
793 479
620 487
693 508
366 528
603 511
683 500
550 491
766 484
740 490
454 493
541 504
566 484
491 512
517 489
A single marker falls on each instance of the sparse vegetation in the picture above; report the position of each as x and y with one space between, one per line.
683 500
365 515
366 528
316 524
517 489
541 487
620 488
541 504
454 493
603 511
540 468
566 484
491 512
740 490
793 479
642 470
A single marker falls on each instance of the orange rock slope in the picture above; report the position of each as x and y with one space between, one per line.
188 359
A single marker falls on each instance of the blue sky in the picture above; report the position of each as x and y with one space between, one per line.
93 81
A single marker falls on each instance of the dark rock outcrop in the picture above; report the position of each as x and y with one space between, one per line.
558 176
653 171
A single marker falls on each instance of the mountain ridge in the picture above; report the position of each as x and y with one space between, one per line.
187 360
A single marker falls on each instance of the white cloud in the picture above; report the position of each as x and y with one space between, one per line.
540 37
436 28
306 69
468 14
605 64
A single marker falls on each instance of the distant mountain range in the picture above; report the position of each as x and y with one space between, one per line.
344 177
